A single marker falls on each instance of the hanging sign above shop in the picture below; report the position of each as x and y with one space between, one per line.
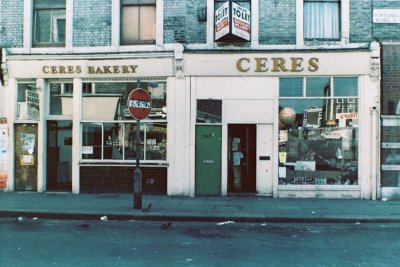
232 22
241 21
222 26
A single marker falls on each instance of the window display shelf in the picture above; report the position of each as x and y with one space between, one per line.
319 178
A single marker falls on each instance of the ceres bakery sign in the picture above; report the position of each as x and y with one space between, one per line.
71 69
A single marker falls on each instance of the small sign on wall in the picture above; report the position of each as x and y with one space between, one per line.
386 16
27 160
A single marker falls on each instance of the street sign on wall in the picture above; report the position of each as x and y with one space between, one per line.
139 103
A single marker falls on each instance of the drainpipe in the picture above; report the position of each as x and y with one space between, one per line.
374 154
375 65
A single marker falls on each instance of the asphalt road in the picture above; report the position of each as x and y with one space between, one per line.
39 242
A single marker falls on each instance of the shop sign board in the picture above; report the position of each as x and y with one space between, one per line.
346 116
386 16
139 103
241 21
32 101
222 21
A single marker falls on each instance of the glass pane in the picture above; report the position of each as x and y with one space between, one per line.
318 87
156 141
130 24
91 141
209 111
42 26
108 101
321 20
61 99
147 23
113 139
60 33
345 86
138 24
49 3
130 140
291 87
312 149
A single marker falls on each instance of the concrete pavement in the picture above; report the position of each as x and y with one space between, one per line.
219 209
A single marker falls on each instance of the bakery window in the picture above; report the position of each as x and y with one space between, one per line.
108 129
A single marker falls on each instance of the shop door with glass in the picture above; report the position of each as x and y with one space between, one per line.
59 155
208 160
26 165
242 158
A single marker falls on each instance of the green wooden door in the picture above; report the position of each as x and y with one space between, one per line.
208 160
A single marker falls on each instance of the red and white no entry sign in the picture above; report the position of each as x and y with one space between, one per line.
139 104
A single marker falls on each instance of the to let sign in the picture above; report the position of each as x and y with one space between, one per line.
139 104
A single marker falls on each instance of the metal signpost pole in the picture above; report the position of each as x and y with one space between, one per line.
137 180
139 105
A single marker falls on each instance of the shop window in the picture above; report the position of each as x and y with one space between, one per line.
27 101
317 86
138 22
48 23
61 98
209 111
109 131
92 141
117 141
291 87
321 19
107 101
318 138
346 86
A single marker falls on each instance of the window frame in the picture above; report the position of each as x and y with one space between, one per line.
339 27
54 18
351 175
123 123
124 3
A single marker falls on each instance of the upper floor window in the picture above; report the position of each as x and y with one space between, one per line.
138 22
321 19
48 23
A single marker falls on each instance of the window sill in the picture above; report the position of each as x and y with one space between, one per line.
44 45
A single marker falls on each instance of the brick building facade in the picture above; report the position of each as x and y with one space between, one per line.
175 54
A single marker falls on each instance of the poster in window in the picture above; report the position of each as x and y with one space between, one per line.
3 142
28 143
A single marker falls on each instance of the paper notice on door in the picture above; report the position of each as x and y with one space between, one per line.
282 172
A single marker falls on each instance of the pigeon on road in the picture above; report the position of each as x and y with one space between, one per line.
147 208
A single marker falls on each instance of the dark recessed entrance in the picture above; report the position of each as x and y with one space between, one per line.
59 155
242 141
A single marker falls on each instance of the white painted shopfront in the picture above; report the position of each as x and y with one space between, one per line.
233 102
244 90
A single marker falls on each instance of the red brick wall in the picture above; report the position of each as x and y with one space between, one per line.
119 179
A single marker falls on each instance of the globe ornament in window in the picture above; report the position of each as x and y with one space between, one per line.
287 116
